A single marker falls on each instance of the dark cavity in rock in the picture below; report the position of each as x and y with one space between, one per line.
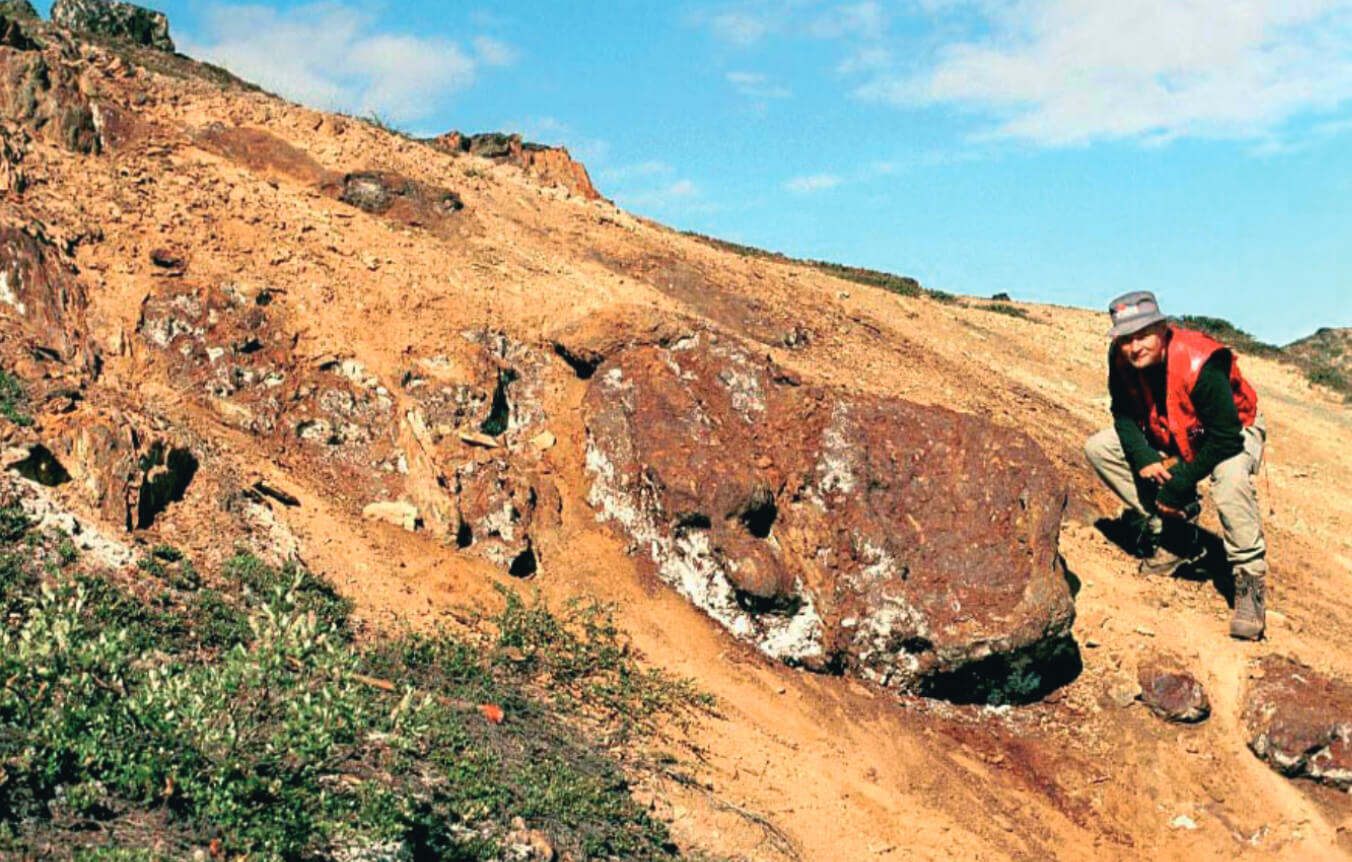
780 606
167 476
1016 678
524 564
42 467
758 516
500 413
584 367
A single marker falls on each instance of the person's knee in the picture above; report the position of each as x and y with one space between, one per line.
1231 477
1098 448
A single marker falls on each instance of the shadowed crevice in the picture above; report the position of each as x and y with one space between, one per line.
1021 677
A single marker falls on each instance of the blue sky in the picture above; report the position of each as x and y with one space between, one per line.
1062 151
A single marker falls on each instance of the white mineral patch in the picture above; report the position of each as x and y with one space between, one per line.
48 514
687 564
502 522
7 294
834 466
745 390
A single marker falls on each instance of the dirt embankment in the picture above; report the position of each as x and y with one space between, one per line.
323 317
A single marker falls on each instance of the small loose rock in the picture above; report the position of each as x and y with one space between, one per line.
1172 693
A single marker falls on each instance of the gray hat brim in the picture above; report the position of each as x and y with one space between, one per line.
1136 324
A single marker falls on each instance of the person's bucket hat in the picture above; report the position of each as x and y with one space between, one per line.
1132 312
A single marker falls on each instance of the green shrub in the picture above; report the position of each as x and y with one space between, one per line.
12 399
286 739
1231 335
1006 309
14 524
264 583
1331 378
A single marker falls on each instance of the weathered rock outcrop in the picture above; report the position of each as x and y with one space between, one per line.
1300 722
1171 692
115 20
19 10
385 194
39 290
551 165
44 96
379 445
897 542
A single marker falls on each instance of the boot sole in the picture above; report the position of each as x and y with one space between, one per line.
1246 634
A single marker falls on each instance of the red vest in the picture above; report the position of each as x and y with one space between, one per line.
1175 425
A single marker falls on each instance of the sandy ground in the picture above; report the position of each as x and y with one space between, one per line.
794 766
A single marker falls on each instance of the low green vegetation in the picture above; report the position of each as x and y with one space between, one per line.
158 716
1224 330
1320 367
1006 309
13 399
384 123
903 285
1330 377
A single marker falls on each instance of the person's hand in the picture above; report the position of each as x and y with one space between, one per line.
1157 473
1170 511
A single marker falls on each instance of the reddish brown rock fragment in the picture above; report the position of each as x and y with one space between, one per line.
1171 692
1300 722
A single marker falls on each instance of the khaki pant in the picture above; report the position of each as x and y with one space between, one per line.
1232 491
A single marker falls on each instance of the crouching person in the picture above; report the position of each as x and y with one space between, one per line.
1182 412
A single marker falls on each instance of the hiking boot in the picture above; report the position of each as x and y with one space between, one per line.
1149 533
1162 562
1249 619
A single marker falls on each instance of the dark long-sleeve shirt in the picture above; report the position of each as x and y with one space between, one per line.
1214 404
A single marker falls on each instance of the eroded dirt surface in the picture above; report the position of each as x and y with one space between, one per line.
313 355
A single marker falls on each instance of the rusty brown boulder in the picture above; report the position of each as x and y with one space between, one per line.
1300 722
1171 692
909 545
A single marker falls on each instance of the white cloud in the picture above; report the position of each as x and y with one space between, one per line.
329 55
1072 71
757 86
677 192
682 189
865 20
626 173
865 59
812 183
493 52
742 27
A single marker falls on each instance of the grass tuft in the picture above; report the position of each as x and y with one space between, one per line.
13 399
1006 309
250 722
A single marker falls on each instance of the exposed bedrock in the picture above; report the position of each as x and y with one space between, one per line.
1300 722
39 291
909 545
115 20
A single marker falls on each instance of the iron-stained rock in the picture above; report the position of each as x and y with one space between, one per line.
1171 692
894 541
1300 722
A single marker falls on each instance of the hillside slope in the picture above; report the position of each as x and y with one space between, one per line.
304 315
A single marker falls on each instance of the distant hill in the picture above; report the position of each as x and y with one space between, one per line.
1325 356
